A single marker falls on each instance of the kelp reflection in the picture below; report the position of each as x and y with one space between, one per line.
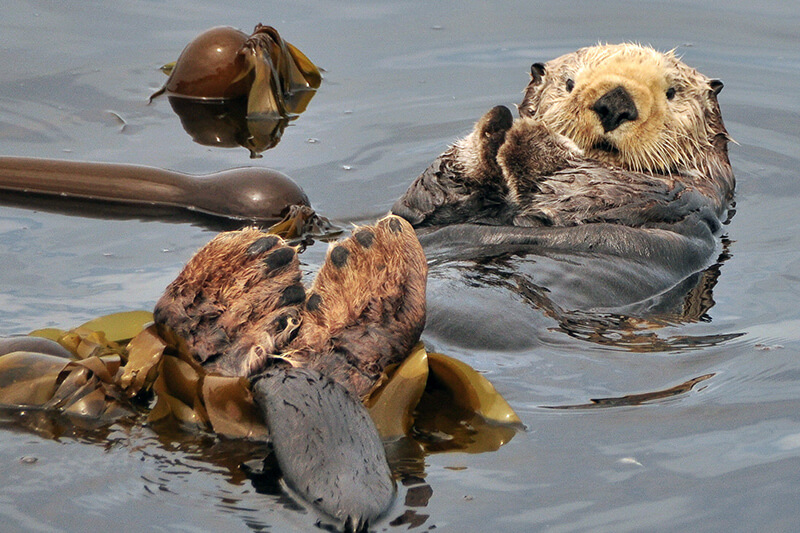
231 89
225 124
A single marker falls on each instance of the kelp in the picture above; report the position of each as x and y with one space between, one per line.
637 399
82 387
252 194
428 384
122 365
302 222
250 86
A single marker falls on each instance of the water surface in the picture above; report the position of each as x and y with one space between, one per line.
402 80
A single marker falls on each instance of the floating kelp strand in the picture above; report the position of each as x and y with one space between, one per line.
253 193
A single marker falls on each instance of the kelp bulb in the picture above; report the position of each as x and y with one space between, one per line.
211 66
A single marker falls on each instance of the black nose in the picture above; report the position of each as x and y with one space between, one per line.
614 108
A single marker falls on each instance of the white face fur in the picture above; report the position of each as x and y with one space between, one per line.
630 106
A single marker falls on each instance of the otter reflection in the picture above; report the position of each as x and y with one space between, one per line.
510 297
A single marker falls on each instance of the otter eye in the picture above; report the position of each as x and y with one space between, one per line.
570 85
670 93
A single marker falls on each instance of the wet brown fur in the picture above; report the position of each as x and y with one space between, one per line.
238 306
557 165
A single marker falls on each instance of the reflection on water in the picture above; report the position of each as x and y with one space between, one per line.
179 453
225 124
616 302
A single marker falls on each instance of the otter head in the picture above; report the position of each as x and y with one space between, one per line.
633 107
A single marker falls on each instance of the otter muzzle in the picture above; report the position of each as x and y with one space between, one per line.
614 108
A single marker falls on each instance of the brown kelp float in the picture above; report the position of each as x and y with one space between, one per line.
229 89
253 194
261 74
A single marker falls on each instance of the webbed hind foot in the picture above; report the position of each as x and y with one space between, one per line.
366 308
236 302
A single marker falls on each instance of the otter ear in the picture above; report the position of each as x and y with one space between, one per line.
537 72
716 86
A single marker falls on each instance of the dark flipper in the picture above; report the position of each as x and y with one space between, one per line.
326 445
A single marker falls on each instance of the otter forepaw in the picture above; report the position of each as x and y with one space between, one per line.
531 151
477 153
366 308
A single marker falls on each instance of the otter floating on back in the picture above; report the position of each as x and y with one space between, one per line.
617 135
619 150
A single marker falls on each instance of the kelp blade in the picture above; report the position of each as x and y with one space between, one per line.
392 405
119 327
471 390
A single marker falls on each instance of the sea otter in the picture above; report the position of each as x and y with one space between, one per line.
610 134
619 150
620 154
605 197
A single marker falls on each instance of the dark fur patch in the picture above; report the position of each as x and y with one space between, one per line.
313 302
262 245
293 294
364 237
339 256
279 258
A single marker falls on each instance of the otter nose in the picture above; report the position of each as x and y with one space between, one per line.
614 108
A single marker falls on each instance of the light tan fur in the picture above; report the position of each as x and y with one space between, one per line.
616 133
670 136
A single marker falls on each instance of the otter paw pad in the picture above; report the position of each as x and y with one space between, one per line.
338 256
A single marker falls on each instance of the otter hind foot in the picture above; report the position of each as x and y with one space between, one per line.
366 308
236 302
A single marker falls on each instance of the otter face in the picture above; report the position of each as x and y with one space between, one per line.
633 107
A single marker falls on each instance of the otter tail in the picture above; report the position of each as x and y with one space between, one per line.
326 445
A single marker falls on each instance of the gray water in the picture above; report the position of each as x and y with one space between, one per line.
402 80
